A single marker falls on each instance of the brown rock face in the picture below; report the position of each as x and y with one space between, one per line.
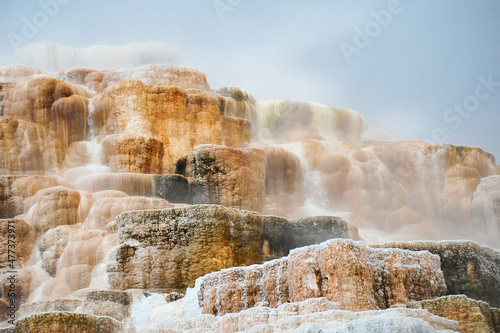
62 322
343 271
21 237
473 316
56 105
169 249
179 119
56 206
227 176
127 152
28 148
14 190
468 267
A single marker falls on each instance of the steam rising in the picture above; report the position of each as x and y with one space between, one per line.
55 57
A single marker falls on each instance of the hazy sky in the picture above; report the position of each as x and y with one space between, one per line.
425 69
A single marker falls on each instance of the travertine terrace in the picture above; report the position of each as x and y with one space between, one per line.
144 200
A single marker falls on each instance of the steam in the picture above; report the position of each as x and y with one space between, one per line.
54 57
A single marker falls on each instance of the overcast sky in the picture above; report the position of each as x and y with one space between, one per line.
426 69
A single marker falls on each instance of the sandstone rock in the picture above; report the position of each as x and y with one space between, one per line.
473 316
55 322
17 239
169 249
343 271
468 267
227 176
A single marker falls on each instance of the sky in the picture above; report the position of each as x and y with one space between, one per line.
426 70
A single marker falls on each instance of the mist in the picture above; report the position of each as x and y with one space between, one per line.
417 63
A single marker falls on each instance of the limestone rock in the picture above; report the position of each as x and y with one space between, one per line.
179 119
21 237
105 210
126 152
52 245
110 303
14 190
54 305
284 180
473 316
158 75
58 106
173 188
343 271
227 176
281 235
28 148
17 73
468 267
313 315
55 206
316 229
168 249
59 322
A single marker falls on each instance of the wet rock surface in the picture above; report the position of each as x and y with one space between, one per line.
350 273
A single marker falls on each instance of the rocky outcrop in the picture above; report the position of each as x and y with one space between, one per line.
178 119
59 322
468 268
110 303
169 249
350 273
313 315
473 316
59 107
14 190
281 235
127 152
17 239
158 75
28 148
173 188
226 176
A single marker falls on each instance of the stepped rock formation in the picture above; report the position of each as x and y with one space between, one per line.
473 316
134 192
468 267
169 249
227 176
350 273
